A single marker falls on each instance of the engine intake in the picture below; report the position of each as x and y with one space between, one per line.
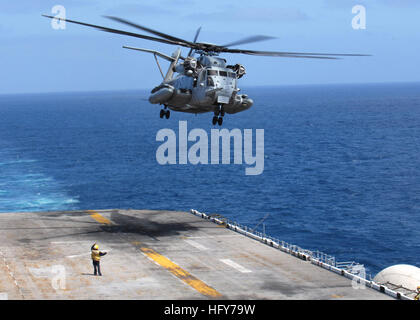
239 69
190 63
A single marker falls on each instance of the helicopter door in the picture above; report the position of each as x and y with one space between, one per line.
199 79
199 88
202 78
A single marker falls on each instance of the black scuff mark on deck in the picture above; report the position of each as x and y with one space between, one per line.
146 226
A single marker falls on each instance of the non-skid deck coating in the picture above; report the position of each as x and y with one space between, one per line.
151 255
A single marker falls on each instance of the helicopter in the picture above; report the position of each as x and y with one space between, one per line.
201 81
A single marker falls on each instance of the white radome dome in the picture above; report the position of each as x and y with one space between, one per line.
404 275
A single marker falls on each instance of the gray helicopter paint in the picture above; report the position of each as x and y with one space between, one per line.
190 94
212 61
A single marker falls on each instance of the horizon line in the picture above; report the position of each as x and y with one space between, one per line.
246 87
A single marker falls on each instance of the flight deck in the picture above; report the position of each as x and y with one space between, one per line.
152 254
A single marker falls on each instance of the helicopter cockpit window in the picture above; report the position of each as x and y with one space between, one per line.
202 76
210 82
223 73
212 72
232 75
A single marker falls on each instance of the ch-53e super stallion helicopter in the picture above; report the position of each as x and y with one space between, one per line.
203 84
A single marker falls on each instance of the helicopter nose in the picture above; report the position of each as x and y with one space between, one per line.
249 102
246 102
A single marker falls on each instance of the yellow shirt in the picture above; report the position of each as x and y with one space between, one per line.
95 255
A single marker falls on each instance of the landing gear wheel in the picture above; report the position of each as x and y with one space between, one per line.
167 114
162 113
215 120
220 121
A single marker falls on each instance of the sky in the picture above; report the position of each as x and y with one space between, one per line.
35 57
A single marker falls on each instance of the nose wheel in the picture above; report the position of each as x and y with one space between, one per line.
164 113
219 113
217 120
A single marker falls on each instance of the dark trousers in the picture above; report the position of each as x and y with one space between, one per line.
96 267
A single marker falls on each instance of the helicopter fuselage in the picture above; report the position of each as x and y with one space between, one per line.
206 86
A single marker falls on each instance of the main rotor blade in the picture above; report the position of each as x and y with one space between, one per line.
197 34
300 56
204 46
293 54
155 32
248 40
195 40
126 33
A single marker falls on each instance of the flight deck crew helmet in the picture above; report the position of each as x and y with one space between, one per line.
418 289
96 247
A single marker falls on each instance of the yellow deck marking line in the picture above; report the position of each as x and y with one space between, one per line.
180 273
99 218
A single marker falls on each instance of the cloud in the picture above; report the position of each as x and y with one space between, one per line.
253 14
400 3
340 4
179 3
138 9
40 6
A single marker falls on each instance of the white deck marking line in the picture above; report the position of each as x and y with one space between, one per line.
79 255
196 245
217 236
84 254
67 242
235 265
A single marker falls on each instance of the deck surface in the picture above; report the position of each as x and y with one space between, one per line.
151 255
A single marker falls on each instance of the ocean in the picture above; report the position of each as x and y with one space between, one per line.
341 164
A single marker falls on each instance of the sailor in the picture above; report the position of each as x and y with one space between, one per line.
96 258
417 297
